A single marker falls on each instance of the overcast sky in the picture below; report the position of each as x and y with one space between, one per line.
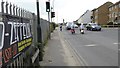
70 10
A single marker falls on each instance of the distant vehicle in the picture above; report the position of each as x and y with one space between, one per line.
68 25
76 26
93 26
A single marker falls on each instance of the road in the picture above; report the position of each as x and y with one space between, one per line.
94 48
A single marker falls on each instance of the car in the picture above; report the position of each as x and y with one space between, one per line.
76 26
93 26
68 25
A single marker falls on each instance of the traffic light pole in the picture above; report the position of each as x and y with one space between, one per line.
39 32
49 25
51 17
52 9
48 10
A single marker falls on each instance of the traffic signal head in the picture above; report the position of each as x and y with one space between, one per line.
52 14
47 6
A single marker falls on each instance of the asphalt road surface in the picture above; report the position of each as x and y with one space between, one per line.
95 48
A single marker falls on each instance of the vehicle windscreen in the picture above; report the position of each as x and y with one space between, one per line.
70 23
94 25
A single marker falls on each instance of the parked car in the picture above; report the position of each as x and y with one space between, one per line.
68 25
93 26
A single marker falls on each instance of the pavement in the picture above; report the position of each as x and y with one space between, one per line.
57 52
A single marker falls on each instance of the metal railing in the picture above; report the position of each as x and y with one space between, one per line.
12 13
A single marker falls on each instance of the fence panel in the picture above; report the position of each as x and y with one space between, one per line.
45 30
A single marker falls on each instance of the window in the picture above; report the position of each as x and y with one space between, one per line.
1 34
116 14
109 15
0 6
109 9
119 13
113 14
96 17
112 8
119 5
115 6
96 11
0 18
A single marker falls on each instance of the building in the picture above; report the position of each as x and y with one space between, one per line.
114 13
100 14
85 18
93 15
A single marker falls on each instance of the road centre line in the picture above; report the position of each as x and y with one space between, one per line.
116 43
91 45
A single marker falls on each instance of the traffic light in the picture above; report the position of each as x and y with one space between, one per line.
47 6
52 14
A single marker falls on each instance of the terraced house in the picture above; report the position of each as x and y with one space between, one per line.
114 13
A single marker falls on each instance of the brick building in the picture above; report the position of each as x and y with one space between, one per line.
114 13
93 16
100 14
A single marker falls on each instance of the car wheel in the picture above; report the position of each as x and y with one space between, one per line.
87 28
91 29
99 29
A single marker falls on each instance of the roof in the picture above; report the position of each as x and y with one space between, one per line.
94 9
114 4
84 14
104 4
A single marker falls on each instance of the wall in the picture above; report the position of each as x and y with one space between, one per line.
86 17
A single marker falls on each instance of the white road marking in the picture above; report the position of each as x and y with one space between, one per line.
91 45
116 43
